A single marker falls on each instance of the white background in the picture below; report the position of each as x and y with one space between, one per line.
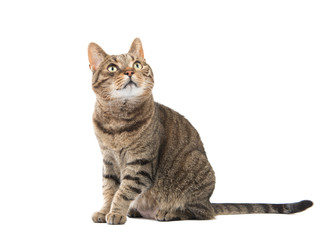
245 73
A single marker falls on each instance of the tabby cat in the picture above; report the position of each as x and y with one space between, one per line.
154 163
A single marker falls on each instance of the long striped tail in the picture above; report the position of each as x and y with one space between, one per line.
248 208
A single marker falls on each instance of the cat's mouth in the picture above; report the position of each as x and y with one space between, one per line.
129 89
130 83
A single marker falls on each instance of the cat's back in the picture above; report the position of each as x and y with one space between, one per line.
183 167
172 120
178 133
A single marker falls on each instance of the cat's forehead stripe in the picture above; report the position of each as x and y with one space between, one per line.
123 59
114 58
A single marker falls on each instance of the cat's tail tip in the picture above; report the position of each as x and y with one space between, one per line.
300 206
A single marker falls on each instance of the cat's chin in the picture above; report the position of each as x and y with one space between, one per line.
130 91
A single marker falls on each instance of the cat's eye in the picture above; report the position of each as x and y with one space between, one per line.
137 65
112 68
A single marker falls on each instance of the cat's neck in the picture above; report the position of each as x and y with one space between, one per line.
124 109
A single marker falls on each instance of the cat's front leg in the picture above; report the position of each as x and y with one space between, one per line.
111 183
137 178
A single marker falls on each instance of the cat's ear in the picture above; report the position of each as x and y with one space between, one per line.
136 48
96 56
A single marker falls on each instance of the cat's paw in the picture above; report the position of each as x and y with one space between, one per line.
163 215
134 213
115 218
99 217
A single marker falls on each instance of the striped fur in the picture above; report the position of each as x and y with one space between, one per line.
246 208
154 163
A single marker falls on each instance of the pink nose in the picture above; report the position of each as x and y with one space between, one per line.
129 73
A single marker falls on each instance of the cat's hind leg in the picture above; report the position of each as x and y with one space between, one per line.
199 211
172 215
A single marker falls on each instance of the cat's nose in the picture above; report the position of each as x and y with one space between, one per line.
129 73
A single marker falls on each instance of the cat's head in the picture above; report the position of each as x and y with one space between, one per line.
125 76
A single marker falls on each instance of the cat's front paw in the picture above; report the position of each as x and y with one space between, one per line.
99 217
115 218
